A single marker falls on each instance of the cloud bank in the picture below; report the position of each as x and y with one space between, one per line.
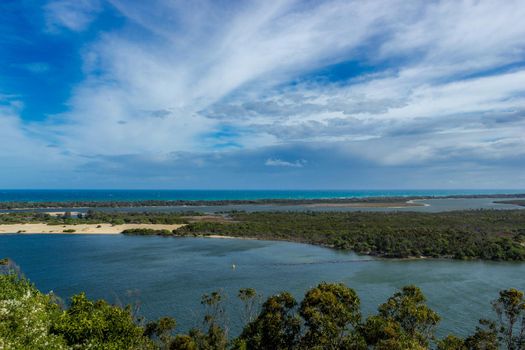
330 94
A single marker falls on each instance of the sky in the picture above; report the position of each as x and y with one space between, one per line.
225 94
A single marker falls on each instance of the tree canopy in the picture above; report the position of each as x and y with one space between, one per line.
328 317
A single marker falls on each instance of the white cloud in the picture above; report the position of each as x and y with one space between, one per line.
196 60
26 157
445 78
276 162
188 66
74 15
461 35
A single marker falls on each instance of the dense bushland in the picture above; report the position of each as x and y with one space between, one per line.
479 234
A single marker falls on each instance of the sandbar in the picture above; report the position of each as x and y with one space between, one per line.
392 205
81 228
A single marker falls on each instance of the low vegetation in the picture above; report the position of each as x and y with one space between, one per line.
97 217
147 232
329 317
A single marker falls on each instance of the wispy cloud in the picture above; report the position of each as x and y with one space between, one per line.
283 163
433 82
24 155
74 15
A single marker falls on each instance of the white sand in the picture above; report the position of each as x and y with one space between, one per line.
81 229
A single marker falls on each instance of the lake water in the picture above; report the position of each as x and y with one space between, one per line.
168 275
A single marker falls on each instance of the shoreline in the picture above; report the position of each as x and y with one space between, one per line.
102 231
370 254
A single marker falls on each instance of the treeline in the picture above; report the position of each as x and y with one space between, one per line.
520 202
97 217
477 234
278 201
328 317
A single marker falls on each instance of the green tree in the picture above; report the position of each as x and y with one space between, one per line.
331 313
276 328
161 331
407 307
485 337
26 316
383 333
451 342
401 343
510 309
250 300
214 337
183 342
99 325
404 320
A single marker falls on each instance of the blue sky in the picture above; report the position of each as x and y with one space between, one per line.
262 94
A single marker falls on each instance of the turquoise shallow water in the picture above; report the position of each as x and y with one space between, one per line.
168 275
135 195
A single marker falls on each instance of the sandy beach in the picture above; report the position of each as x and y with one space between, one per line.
80 229
392 205
226 237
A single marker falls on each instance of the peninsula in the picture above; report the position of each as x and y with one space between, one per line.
365 202
467 234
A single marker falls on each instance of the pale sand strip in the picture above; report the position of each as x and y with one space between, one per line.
81 229
393 205
225 237
417 202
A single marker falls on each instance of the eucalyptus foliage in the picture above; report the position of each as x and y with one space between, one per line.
328 318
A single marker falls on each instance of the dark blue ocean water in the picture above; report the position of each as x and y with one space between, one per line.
137 195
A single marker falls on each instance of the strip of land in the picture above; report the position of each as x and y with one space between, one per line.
391 205
83 228
467 234
519 202
395 201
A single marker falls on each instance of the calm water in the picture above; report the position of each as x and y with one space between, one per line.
168 275
136 195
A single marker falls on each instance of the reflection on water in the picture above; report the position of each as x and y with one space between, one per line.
169 275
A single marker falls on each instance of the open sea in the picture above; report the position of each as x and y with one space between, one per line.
138 195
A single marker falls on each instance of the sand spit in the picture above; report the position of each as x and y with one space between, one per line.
81 229
392 205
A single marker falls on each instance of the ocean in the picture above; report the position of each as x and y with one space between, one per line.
139 195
